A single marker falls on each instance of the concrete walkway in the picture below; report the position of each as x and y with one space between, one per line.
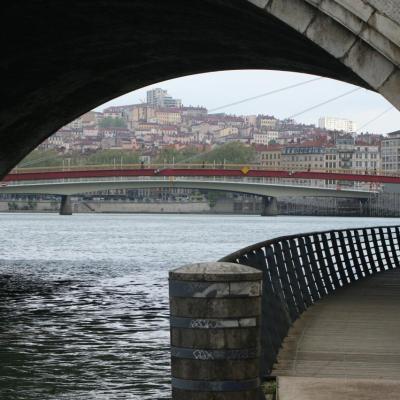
347 345
294 388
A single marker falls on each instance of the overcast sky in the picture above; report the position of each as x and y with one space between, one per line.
216 89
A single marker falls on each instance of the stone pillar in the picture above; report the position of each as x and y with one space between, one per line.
66 206
215 332
269 206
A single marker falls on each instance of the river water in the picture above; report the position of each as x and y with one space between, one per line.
84 299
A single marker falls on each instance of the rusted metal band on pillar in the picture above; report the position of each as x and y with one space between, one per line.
214 289
215 386
211 323
205 354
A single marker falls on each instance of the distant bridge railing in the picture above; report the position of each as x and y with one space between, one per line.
308 178
299 270
207 166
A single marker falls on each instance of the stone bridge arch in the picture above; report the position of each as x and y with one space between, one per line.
61 59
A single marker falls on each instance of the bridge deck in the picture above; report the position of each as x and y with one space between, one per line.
351 336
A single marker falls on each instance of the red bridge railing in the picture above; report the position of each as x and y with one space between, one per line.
47 174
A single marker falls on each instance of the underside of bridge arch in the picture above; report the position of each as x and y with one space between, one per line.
61 59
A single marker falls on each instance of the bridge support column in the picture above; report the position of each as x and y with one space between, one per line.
365 210
66 206
215 313
269 206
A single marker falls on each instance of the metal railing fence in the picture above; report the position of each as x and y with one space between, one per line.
298 270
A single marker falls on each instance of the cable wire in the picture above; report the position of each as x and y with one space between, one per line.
265 94
375 118
323 103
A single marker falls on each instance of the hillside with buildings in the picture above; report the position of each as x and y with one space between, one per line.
163 124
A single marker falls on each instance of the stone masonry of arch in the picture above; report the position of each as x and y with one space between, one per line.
362 34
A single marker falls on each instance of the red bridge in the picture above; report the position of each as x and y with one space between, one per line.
47 174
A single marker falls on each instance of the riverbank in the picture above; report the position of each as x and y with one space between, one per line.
384 205
123 207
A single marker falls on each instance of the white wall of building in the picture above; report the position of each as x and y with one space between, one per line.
337 124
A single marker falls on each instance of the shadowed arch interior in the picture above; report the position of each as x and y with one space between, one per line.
60 59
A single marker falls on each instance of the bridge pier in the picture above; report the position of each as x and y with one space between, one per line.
66 206
365 208
215 331
269 206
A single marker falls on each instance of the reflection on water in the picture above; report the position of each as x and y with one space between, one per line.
82 339
83 299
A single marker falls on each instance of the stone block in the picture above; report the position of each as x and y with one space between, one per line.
215 338
243 395
315 3
370 65
382 44
386 27
215 308
391 89
245 289
296 13
357 7
214 369
342 15
215 272
259 3
330 35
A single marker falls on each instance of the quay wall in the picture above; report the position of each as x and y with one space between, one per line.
383 205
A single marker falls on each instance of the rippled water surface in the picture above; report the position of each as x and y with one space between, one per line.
83 299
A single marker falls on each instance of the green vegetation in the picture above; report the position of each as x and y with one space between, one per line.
270 389
213 196
50 158
111 157
230 153
110 122
169 155
41 158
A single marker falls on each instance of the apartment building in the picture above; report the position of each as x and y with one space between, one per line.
168 116
337 124
159 98
266 122
269 156
264 137
390 153
303 157
366 158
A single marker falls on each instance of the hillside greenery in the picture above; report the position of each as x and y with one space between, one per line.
230 153
109 122
50 158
